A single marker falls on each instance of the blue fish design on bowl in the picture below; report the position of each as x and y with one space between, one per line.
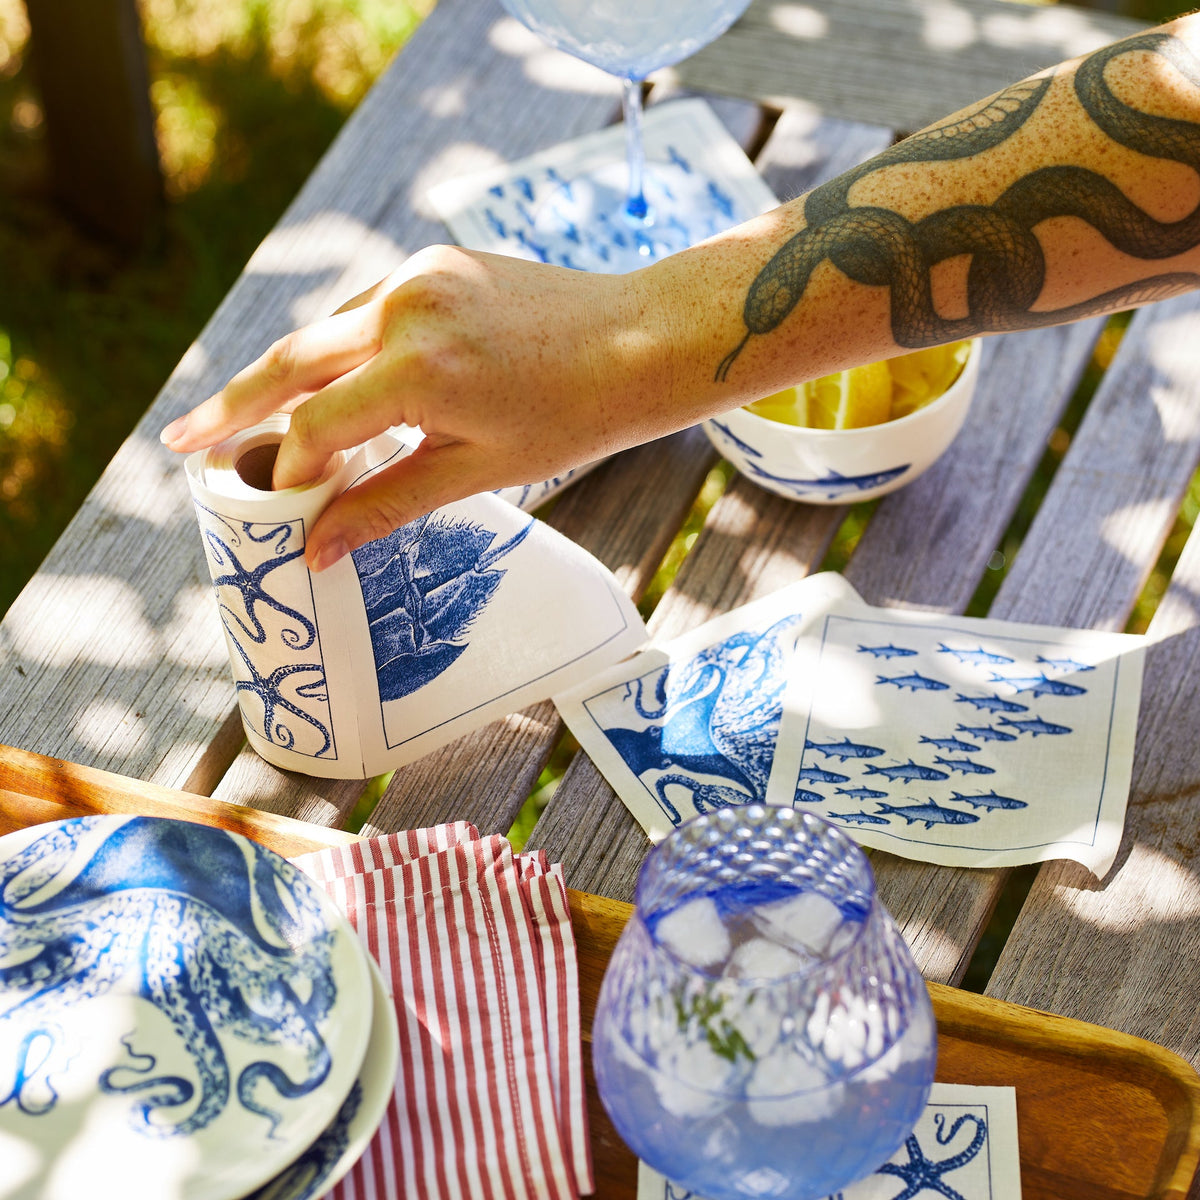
173 998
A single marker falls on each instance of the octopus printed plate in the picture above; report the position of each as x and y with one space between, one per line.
335 1152
182 1011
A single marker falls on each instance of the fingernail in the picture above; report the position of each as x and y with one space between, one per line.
174 431
333 551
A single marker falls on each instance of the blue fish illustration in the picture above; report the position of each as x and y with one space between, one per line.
861 793
817 775
988 800
1065 664
859 818
908 770
888 651
977 657
986 733
1039 685
931 813
833 484
951 745
914 680
844 749
965 766
993 703
1035 725
807 797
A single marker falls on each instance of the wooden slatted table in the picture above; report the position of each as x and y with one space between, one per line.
112 657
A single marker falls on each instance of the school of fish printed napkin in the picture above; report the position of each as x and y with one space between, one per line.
470 613
476 949
964 1147
956 740
550 207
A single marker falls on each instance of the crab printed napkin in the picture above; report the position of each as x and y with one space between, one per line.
465 615
964 1146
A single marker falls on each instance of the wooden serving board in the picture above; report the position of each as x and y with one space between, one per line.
1101 1115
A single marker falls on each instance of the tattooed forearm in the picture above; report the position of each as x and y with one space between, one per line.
878 247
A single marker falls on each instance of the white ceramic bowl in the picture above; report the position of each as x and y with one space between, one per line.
839 466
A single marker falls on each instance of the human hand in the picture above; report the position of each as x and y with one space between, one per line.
514 371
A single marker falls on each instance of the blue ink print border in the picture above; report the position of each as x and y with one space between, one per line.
225 541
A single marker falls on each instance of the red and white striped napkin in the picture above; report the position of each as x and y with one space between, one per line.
476 947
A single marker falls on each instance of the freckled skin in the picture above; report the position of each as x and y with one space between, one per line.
1072 193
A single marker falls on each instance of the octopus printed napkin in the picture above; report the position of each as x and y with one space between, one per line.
968 742
691 725
463 616
544 208
964 1146
476 946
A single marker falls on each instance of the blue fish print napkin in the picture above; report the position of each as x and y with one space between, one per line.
968 742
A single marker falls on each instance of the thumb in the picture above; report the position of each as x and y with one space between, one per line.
422 481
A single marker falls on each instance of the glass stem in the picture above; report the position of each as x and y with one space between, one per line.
635 150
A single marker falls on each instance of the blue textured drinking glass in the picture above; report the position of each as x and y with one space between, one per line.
762 1029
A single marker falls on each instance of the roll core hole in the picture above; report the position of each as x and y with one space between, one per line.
255 466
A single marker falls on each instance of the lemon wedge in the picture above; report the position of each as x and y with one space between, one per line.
870 394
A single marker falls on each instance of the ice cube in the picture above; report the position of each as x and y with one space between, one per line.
786 1089
762 959
691 1079
806 921
695 933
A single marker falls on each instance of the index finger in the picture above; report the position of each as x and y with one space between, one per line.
295 366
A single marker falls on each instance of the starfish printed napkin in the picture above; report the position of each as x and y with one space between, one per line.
964 1145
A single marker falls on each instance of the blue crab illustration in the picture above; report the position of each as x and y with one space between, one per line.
423 587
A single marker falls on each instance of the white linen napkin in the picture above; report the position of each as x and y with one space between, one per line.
476 947
964 1145
466 615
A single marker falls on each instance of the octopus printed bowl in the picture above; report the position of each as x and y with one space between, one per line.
842 466
182 1012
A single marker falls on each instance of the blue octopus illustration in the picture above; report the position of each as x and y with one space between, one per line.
423 587
714 721
922 1174
197 917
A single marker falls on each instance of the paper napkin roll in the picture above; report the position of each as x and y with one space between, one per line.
463 616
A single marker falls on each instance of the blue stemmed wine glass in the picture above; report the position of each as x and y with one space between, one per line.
603 221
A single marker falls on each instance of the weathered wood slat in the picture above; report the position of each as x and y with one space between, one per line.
935 57
752 544
1124 951
113 655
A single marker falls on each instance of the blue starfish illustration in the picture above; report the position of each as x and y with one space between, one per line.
268 689
921 1174
249 583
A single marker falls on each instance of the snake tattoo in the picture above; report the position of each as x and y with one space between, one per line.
879 247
